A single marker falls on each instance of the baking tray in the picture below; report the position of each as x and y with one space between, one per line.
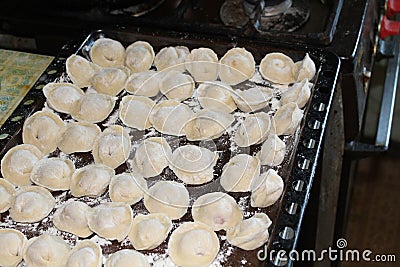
297 170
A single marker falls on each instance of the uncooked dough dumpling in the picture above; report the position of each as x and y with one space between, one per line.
107 53
252 99
254 129
193 164
17 164
93 108
272 151
238 173
278 68
31 204
266 189
236 66
216 96
298 93
145 83
53 173
41 130
127 187
193 244
71 218
202 64
80 70
85 253
110 81
171 58
250 233
62 97
168 197
112 146
287 119
77 137
305 69
110 220
12 243
6 192
139 56
149 231
134 111
217 210
126 257
176 85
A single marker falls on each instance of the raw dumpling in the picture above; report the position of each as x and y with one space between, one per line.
145 83
111 220
139 56
250 233
62 97
252 99
202 64
208 124
217 210
53 173
85 253
6 192
236 66
93 108
134 111
170 117
305 69
46 250
266 189
298 93
80 70
126 257
112 146
17 164
127 187
171 58
272 151
41 130
176 85
254 129
110 81
31 204
149 231
168 197
77 137
278 68
152 156
238 173
12 243
193 164
216 96
107 53
91 180
193 244
287 119
71 218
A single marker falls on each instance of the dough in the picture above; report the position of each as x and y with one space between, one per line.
252 99
278 68
85 253
171 58
266 189
287 119
298 93
6 192
93 108
272 151
127 187
236 66
216 96
134 111
145 83
12 243
80 70
254 129
110 81
202 64
77 137
139 56
305 69
62 97
176 85
126 257
107 53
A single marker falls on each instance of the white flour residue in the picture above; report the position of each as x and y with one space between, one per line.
112 119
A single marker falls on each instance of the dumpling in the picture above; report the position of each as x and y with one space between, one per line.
278 68
145 83
46 250
171 58
112 146
6 192
149 231
17 164
80 70
31 204
134 111
111 220
152 156
93 108
202 64
272 151
216 96
193 164
77 137
298 93
127 187
126 257
266 189
176 85
12 243
170 117
91 180
71 218
185 252
250 233
252 99
62 97
287 119
168 197
254 129
305 69
217 210
139 56
107 53
41 130
53 173
236 66
85 253
238 173
208 124
110 81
